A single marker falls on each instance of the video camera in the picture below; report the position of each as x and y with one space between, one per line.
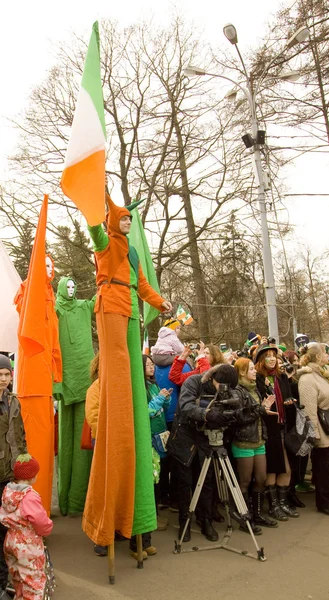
224 402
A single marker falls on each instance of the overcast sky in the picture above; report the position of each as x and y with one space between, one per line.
30 30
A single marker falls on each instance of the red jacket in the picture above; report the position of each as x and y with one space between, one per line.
176 375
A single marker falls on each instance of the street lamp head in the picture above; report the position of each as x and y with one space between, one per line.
192 71
301 35
290 76
231 94
230 33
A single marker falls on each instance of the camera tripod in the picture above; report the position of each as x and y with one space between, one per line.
226 484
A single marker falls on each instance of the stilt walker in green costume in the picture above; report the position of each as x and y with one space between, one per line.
75 336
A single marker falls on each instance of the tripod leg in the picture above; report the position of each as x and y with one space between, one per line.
238 498
222 490
235 481
195 499
111 564
233 485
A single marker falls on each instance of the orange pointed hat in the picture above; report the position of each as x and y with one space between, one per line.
119 245
116 213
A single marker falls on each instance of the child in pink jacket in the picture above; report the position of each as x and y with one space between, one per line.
27 521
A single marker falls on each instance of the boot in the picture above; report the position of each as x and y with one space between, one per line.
275 509
259 517
282 497
243 525
293 500
216 515
208 530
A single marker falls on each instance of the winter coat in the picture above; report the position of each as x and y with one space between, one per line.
186 436
274 449
176 374
12 434
249 431
22 510
314 393
167 342
162 379
157 404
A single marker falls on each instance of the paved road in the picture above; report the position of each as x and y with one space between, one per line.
297 566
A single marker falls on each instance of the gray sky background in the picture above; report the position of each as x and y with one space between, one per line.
30 30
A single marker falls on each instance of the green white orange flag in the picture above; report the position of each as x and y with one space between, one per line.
183 315
83 178
137 238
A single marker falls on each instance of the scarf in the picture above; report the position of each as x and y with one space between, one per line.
278 395
251 387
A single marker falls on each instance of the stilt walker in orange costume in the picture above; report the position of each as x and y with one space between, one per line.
39 358
120 494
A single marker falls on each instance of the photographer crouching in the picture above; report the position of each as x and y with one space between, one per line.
204 403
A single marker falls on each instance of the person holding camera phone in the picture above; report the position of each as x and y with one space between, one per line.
207 356
270 380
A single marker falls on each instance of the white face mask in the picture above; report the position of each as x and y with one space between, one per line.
70 288
49 267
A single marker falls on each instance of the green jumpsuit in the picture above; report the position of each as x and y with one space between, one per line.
75 336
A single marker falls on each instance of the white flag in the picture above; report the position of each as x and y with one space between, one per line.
10 282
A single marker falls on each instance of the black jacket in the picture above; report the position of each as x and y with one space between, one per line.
187 436
249 431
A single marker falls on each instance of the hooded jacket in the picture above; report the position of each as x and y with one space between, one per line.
313 394
75 337
117 261
22 510
167 343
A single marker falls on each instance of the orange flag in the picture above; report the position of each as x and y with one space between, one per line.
32 323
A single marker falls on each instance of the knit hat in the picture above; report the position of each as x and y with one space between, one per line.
5 363
252 338
262 348
26 467
172 323
222 374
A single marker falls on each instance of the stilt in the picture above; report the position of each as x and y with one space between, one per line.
139 540
111 564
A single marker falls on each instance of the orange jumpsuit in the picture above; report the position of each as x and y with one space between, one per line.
34 390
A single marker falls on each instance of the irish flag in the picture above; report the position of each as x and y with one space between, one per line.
83 178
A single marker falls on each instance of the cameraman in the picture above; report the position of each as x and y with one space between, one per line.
188 444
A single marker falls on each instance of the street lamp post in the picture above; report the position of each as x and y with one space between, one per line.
251 94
